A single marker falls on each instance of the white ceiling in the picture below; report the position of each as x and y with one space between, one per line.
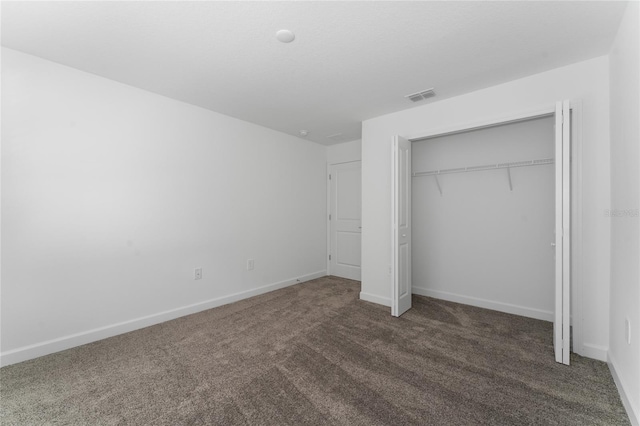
350 61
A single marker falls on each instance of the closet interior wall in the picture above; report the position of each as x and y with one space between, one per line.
484 237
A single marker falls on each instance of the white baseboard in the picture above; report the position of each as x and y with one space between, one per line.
67 342
375 299
484 303
594 351
633 411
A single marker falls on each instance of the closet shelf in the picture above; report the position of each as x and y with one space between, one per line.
486 167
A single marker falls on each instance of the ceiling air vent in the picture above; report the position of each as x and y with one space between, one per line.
420 96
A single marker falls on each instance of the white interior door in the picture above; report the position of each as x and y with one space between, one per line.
345 219
401 226
561 331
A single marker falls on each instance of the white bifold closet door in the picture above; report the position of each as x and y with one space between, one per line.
561 330
401 217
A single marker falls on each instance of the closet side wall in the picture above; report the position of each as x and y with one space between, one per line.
480 242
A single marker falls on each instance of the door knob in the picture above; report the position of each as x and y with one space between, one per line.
404 235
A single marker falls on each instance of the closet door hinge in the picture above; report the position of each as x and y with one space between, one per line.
329 176
329 216
329 257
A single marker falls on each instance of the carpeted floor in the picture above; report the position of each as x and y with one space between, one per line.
315 354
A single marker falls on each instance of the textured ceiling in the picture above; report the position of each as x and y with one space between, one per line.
350 61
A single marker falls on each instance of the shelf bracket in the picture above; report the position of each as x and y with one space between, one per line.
438 183
509 175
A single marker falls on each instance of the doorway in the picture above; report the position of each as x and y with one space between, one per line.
558 271
345 224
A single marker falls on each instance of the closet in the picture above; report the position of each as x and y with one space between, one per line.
484 214
483 217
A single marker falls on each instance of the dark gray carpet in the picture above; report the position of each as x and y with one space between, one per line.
315 354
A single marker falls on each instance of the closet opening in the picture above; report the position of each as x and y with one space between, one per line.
482 217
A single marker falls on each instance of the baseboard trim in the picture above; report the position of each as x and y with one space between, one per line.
71 341
484 303
633 411
375 299
598 352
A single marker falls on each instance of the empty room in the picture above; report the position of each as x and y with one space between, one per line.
310 212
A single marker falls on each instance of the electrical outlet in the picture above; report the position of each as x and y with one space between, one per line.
627 330
250 264
197 274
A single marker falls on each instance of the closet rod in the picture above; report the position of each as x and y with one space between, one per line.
486 167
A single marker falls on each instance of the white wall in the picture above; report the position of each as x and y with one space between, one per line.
344 152
625 201
111 196
481 243
588 81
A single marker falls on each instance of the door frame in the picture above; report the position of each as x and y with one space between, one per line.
576 191
329 212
